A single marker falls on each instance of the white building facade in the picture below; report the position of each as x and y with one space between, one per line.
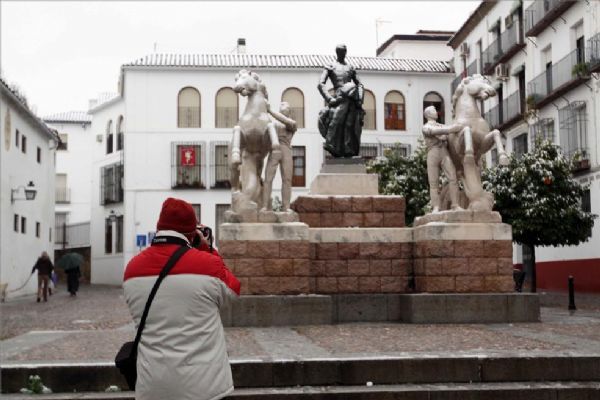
73 178
26 163
543 58
170 104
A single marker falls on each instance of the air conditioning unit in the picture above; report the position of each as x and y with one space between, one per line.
464 49
502 71
99 138
508 21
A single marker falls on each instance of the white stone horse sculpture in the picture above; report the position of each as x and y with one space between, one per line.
467 147
253 138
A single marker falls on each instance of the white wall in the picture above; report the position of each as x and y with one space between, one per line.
20 251
76 163
418 50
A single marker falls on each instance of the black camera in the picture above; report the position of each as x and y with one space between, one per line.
208 235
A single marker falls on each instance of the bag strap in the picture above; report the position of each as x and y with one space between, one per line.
168 266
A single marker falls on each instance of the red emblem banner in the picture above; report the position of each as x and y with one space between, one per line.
187 155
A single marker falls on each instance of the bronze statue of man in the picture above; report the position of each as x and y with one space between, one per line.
340 123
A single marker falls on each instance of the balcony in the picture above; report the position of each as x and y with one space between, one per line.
593 53
72 235
506 114
542 13
503 48
565 75
62 195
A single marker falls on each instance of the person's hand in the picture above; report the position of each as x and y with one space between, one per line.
203 242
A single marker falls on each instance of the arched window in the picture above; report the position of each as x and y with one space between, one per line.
434 99
395 111
109 137
369 107
295 99
188 108
120 133
226 108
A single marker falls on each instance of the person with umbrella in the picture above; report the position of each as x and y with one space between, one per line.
70 263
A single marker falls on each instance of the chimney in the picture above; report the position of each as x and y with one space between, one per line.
241 46
92 103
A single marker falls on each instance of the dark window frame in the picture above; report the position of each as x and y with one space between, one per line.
299 180
39 155
38 229
23 225
16 220
108 234
395 117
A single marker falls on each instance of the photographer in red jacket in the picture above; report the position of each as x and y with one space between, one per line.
182 352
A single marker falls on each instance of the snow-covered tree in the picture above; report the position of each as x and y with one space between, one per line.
404 176
537 194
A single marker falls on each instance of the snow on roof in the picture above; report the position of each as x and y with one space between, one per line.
69 116
286 61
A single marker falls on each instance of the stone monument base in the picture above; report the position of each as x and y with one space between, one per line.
423 308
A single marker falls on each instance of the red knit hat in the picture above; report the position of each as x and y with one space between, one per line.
177 215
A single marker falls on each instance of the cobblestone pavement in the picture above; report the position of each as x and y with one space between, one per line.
94 325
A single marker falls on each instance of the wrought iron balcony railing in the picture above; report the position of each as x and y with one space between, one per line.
501 49
63 195
506 112
541 13
592 53
561 77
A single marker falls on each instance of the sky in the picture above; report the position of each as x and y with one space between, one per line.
61 54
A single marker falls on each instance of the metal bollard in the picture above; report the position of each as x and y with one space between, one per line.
571 293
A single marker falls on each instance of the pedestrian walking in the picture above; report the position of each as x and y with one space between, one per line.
182 351
44 268
71 264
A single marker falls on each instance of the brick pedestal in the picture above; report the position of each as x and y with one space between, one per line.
321 211
463 258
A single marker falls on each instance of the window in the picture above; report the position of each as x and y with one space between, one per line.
586 201
579 42
520 145
369 107
295 99
226 108
299 163
37 229
60 227
62 192
16 222
111 183
63 144
23 225
573 129
109 137
198 211
50 235
108 236
188 108
39 155
17 138
119 241
368 151
187 166
543 129
220 166
395 112
434 99
219 218
120 133
23 143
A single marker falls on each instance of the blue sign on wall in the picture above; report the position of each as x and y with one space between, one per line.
140 240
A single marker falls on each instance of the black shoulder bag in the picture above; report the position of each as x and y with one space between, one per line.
126 359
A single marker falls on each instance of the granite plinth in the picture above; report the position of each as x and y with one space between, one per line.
354 165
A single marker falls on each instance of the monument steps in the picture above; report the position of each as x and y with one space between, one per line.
544 374
488 391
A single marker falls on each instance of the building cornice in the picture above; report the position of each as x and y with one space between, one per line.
475 18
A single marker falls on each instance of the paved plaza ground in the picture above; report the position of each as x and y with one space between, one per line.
93 325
